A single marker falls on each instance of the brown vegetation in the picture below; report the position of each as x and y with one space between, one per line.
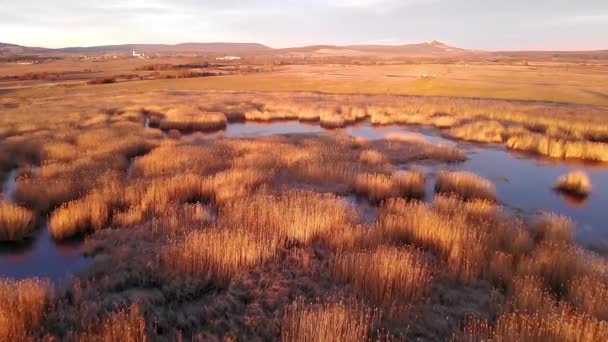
560 148
466 185
22 307
192 119
16 223
327 322
387 276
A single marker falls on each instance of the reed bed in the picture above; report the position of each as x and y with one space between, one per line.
553 227
300 216
219 252
389 277
342 321
480 131
560 148
372 157
22 307
188 119
16 222
378 187
466 235
575 183
466 185
122 326
560 325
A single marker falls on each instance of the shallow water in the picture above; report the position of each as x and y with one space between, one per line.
523 182
41 257
8 187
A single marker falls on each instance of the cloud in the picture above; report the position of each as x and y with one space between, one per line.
468 23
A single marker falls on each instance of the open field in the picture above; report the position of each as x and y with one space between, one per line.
194 232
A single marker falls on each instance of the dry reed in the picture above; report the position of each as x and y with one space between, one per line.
387 276
22 307
16 223
331 322
575 183
466 185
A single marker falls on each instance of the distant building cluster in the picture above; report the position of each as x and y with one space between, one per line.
228 58
138 54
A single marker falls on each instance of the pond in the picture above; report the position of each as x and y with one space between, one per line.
523 183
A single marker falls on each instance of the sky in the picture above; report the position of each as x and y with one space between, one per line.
472 24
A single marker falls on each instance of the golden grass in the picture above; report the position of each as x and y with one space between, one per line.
293 216
465 234
575 183
22 307
387 276
553 227
377 187
466 185
76 217
327 322
16 223
589 294
219 252
559 325
185 118
559 263
560 148
122 326
480 131
372 157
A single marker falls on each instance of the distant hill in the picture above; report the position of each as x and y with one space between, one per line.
432 49
233 48
12 49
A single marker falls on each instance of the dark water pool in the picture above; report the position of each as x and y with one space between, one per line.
524 184
41 257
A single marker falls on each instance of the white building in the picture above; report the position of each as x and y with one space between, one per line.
138 55
228 58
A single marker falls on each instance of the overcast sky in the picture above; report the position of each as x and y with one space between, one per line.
475 24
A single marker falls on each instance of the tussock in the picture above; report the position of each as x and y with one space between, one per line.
219 252
387 276
192 119
16 223
575 183
378 187
466 185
